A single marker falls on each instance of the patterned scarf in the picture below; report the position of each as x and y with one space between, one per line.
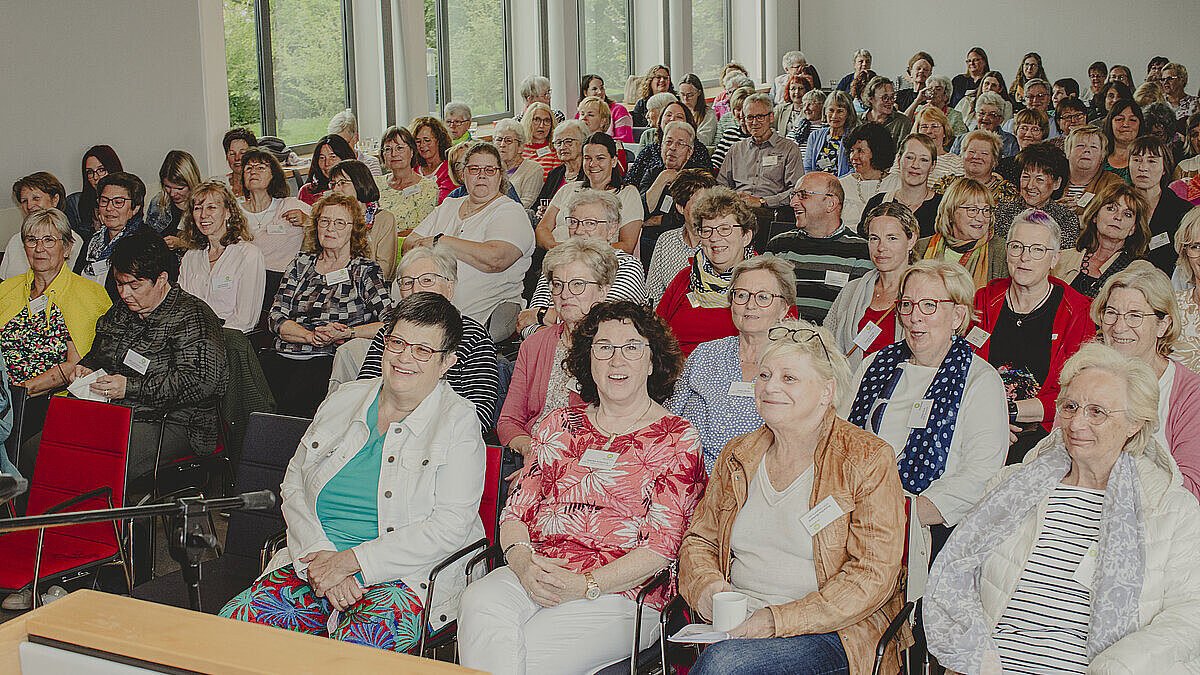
369 212
924 457
976 260
955 623
709 288
99 250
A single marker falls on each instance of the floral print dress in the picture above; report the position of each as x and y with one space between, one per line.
33 345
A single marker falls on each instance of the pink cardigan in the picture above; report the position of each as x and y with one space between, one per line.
1183 420
527 391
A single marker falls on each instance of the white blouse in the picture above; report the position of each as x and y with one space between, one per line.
278 239
233 287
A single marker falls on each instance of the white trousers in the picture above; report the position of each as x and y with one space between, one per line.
503 631
347 361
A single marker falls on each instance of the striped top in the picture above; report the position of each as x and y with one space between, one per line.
543 154
1044 628
732 135
823 266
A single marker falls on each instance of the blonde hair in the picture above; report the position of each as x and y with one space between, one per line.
783 271
1141 387
1188 233
932 113
960 190
1076 134
527 120
829 363
600 105
236 229
1155 286
960 288
594 252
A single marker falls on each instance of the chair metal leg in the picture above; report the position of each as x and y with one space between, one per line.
37 569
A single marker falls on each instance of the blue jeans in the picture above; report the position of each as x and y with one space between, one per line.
818 654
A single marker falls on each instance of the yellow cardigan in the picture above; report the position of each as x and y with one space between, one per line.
80 300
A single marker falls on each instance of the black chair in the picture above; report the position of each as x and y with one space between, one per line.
29 416
270 443
658 657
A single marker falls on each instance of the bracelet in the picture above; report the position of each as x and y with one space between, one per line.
515 544
60 372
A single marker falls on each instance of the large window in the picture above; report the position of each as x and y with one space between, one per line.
467 56
287 66
710 37
604 40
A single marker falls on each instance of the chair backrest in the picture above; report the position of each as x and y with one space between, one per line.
12 444
84 446
489 503
269 444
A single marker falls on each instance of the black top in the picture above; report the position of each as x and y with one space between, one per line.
904 98
1024 370
1170 210
926 214
1090 286
639 113
554 180
962 83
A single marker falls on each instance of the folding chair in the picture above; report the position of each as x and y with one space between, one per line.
80 467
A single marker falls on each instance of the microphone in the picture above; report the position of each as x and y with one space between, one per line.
260 500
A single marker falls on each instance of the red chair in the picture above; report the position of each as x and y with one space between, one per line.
80 466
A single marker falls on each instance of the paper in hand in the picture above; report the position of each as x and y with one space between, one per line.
698 633
81 387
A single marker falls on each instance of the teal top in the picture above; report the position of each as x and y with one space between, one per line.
346 507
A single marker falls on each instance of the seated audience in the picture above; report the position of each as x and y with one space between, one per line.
433 143
1121 74
80 207
872 153
1086 148
1042 172
473 376
731 128
828 612
825 253
456 115
1122 126
861 60
862 318
790 113
1063 89
332 291
1139 317
357 561
120 207
691 94
730 73
657 80
177 177
989 119
880 96
525 175
568 151
1150 170
826 151
536 89
656 105
715 391
564 602
1031 324
965 83
981 153
696 302
345 124
275 220
920 68
813 112
675 248
163 354
403 191
540 127
1070 113
1099 488
1174 83
330 150
489 235
1115 232
934 124
1109 95
47 313
221 266
661 162
1186 349
650 161
353 179
620 125
966 234
1030 127
236 142
910 184
36 192
937 91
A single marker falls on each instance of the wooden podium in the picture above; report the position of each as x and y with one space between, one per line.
134 634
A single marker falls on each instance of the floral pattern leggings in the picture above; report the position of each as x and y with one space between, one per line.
387 617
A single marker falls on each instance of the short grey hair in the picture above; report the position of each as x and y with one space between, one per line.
661 100
1041 218
456 108
814 95
990 98
858 53
513 126
55 219
594 252
784 272
947 85
343 121
534 85
443 259
794 58
680 124
1141 387
1036 82
608 200
568 126
823 357
761 99
740 81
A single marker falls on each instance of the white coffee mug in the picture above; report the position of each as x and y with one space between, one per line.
729 610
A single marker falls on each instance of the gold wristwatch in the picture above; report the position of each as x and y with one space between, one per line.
593 588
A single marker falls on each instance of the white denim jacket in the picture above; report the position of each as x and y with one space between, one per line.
430 484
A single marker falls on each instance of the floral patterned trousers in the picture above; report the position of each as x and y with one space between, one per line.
387 617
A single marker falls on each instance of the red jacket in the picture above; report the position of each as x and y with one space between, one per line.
1072 327
692 325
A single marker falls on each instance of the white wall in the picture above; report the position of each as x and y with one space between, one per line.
1069 34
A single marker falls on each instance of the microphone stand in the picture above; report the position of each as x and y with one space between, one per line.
189 541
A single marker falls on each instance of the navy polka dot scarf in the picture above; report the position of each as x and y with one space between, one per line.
924 457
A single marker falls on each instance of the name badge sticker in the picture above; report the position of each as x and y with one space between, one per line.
770 160
411 189
741 389
222 283
542 152
277 228
820 516
918 415
595 458
1085 574
137 361
38 305
977 336
866 336
337 277
665 204
835 278
1085 199
1160 240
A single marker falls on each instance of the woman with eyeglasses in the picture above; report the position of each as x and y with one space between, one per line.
1031 324
620 125
1186 349
540 128
964 233
80 207
933 123
940 405
1138 316
384 485
353 179
525 175
820 591
696 302
568 149
332 291
968 106
1115 231
1080 559
608 488
38 191
826 150
715 391
403 191
121 196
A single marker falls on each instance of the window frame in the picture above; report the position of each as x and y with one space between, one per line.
268 117
445 56
617 95
727 9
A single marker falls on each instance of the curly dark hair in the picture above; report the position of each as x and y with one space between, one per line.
879 140
666 361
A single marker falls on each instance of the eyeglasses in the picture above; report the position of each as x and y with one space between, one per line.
740 296
1036 251
340 182
46 242
565 141
989 115
93 173
480 170
1170 78
503 140
419 351
927 305
117 202
1095 415
335 224
799 336
1132 318
589 223
805 194
755 118
632 351
426 280
1191 250
572 286
977 210
1076 117
707 231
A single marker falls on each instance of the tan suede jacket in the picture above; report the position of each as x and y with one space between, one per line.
858 556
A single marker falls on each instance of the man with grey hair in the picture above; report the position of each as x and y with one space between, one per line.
457 116
345 124
1037 97
793 61
536 89
763 167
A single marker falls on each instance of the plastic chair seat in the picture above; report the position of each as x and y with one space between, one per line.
62 553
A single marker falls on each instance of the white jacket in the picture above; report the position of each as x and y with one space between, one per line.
1168 637
430 484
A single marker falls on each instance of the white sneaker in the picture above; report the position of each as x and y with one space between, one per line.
54 593
18 601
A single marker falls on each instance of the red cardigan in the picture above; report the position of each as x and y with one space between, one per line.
530 379
1072 327
692 325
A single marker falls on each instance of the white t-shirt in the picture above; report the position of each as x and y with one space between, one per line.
980 441
233 287
631 206
278 239
768 537
477 293
16 262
